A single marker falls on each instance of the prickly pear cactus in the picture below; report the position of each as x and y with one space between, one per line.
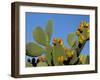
57 54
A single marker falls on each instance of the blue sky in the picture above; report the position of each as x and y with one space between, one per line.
63 25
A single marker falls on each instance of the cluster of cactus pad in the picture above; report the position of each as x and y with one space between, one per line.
44 53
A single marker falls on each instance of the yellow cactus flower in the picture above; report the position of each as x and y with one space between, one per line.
86 24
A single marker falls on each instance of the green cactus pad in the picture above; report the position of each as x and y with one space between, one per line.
58 51
71 39
40 36
32 49
48 54
49 29
86 33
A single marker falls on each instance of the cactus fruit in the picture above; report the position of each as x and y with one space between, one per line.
57 41
83 31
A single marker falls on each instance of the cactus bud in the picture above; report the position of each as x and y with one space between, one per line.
80 40
78 33
60 41
82 37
